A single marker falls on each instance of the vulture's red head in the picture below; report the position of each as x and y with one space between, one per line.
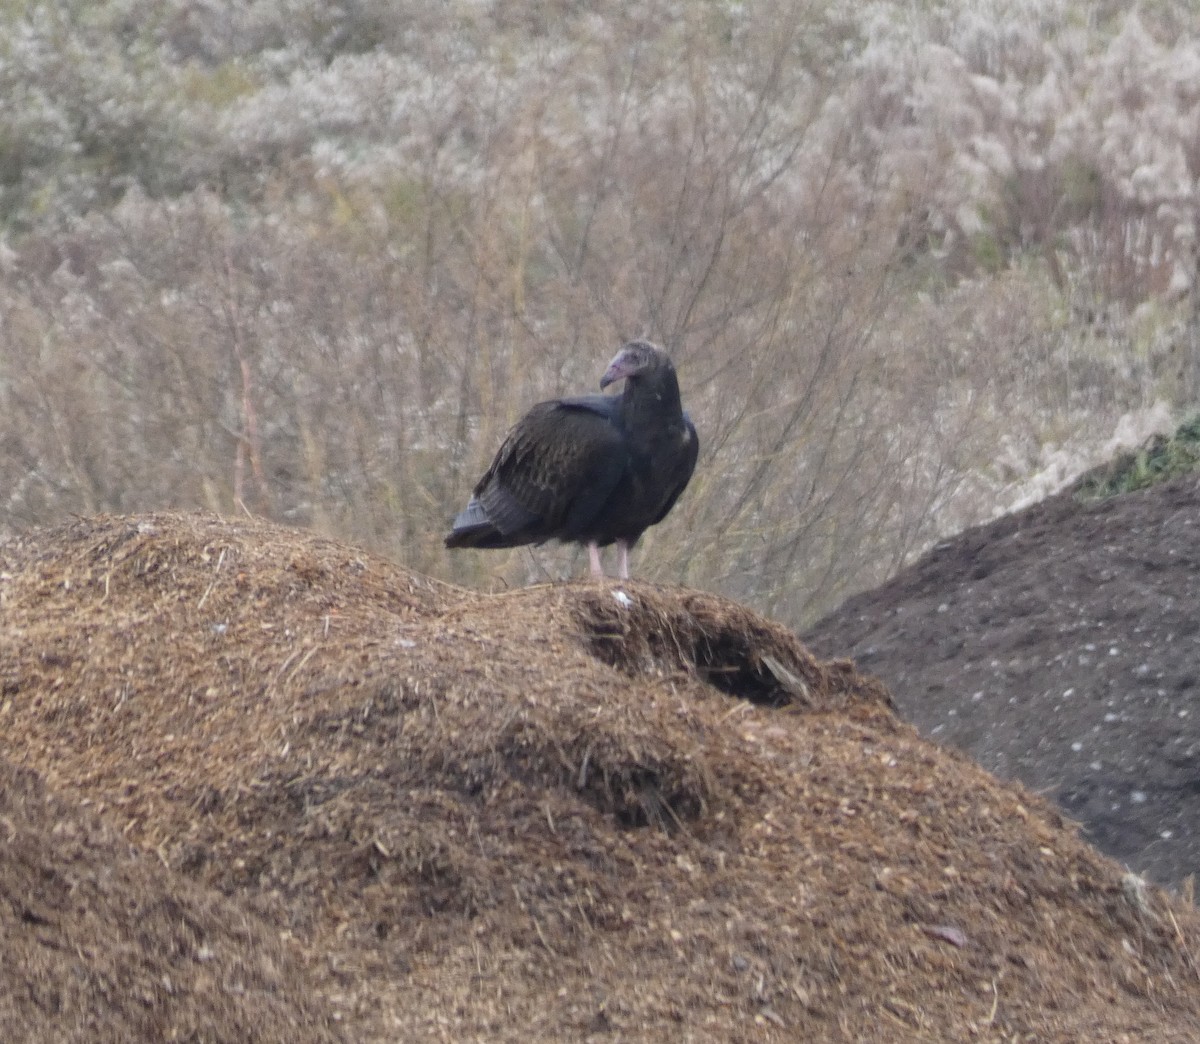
636 357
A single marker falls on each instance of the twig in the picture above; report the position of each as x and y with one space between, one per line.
213 583
583 769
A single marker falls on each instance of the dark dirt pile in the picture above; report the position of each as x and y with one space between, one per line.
580 812
1060 646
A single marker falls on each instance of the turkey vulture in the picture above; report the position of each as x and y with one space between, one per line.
591 469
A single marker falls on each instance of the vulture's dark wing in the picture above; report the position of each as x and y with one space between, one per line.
554 472
681 473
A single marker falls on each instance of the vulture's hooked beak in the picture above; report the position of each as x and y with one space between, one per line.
625 364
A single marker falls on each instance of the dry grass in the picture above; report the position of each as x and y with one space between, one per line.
554 813
312 260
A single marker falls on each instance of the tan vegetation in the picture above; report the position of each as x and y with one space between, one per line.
312 259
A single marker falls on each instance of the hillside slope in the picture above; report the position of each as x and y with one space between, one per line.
583 811
1059 646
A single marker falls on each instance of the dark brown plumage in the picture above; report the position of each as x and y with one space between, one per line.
592 469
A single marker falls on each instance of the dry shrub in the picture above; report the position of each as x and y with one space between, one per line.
411 234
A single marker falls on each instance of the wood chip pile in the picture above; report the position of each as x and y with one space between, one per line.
247 774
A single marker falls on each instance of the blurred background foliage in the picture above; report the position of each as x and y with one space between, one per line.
917 264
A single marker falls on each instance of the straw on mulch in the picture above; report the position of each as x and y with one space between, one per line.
102 943
586 811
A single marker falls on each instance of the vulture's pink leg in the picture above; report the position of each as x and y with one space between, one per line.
594 558
623 559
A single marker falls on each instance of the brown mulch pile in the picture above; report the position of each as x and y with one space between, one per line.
593 811
100 942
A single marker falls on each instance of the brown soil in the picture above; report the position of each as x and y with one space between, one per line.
1060 646
576 812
